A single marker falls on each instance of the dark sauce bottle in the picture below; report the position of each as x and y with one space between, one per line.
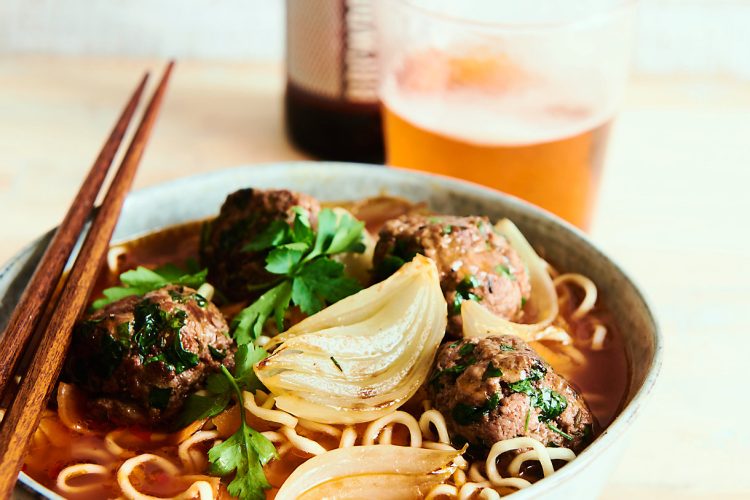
331 106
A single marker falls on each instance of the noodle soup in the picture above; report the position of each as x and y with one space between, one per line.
79 455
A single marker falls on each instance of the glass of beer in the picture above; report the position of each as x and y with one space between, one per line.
514 94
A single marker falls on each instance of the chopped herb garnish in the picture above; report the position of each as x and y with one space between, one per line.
216 354
465 414
493 402
491 371
504 270
454 370
150 324
523 302
454 344
526 423
523 386
337 364
550 403
148 321
555 429
200 300
463 293
507 347
396 257
112 353
123 333
467 348
447 229
158 397
308 277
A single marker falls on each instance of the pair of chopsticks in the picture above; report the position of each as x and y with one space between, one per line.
24 412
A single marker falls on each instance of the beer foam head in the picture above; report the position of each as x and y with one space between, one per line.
479 106
496 86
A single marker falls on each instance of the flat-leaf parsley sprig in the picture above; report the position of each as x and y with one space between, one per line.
246 451
307 275
141 280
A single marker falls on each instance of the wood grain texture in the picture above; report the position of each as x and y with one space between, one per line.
672 212
22 417
38 293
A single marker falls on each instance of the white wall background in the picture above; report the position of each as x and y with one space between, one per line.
690 37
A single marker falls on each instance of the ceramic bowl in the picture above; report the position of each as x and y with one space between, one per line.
201 196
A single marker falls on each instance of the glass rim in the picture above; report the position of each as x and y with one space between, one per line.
617 6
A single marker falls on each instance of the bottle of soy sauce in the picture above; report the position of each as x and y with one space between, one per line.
331 105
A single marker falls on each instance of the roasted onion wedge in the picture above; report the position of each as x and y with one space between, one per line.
479 322
364 356
382 471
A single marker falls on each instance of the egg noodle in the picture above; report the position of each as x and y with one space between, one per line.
294 438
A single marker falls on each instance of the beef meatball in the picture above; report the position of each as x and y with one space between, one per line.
474 262
497 388
139 357
245 215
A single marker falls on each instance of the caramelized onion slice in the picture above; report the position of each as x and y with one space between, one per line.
479 322
394 472
364 356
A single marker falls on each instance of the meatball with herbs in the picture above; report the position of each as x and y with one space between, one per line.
235 267
498 387
138 358
474 262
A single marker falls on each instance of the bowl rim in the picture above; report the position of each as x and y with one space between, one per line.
605 440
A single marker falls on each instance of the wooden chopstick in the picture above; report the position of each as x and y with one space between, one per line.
24 413
38 293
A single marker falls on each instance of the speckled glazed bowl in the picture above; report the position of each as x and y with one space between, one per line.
201 196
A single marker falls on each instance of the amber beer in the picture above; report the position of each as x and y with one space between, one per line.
518 96
559 175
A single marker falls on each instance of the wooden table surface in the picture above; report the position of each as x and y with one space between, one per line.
673 211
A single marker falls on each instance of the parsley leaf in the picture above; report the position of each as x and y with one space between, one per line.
308 277
248 324
505 270
141 280
553 428
491 371
319 282
198 407
277 233
550 403
149 324
336 363
284 259
466 349
463 292
158 397
465 414
247 356
219 389
337 233
245 453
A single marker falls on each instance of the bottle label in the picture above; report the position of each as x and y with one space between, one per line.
330 48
